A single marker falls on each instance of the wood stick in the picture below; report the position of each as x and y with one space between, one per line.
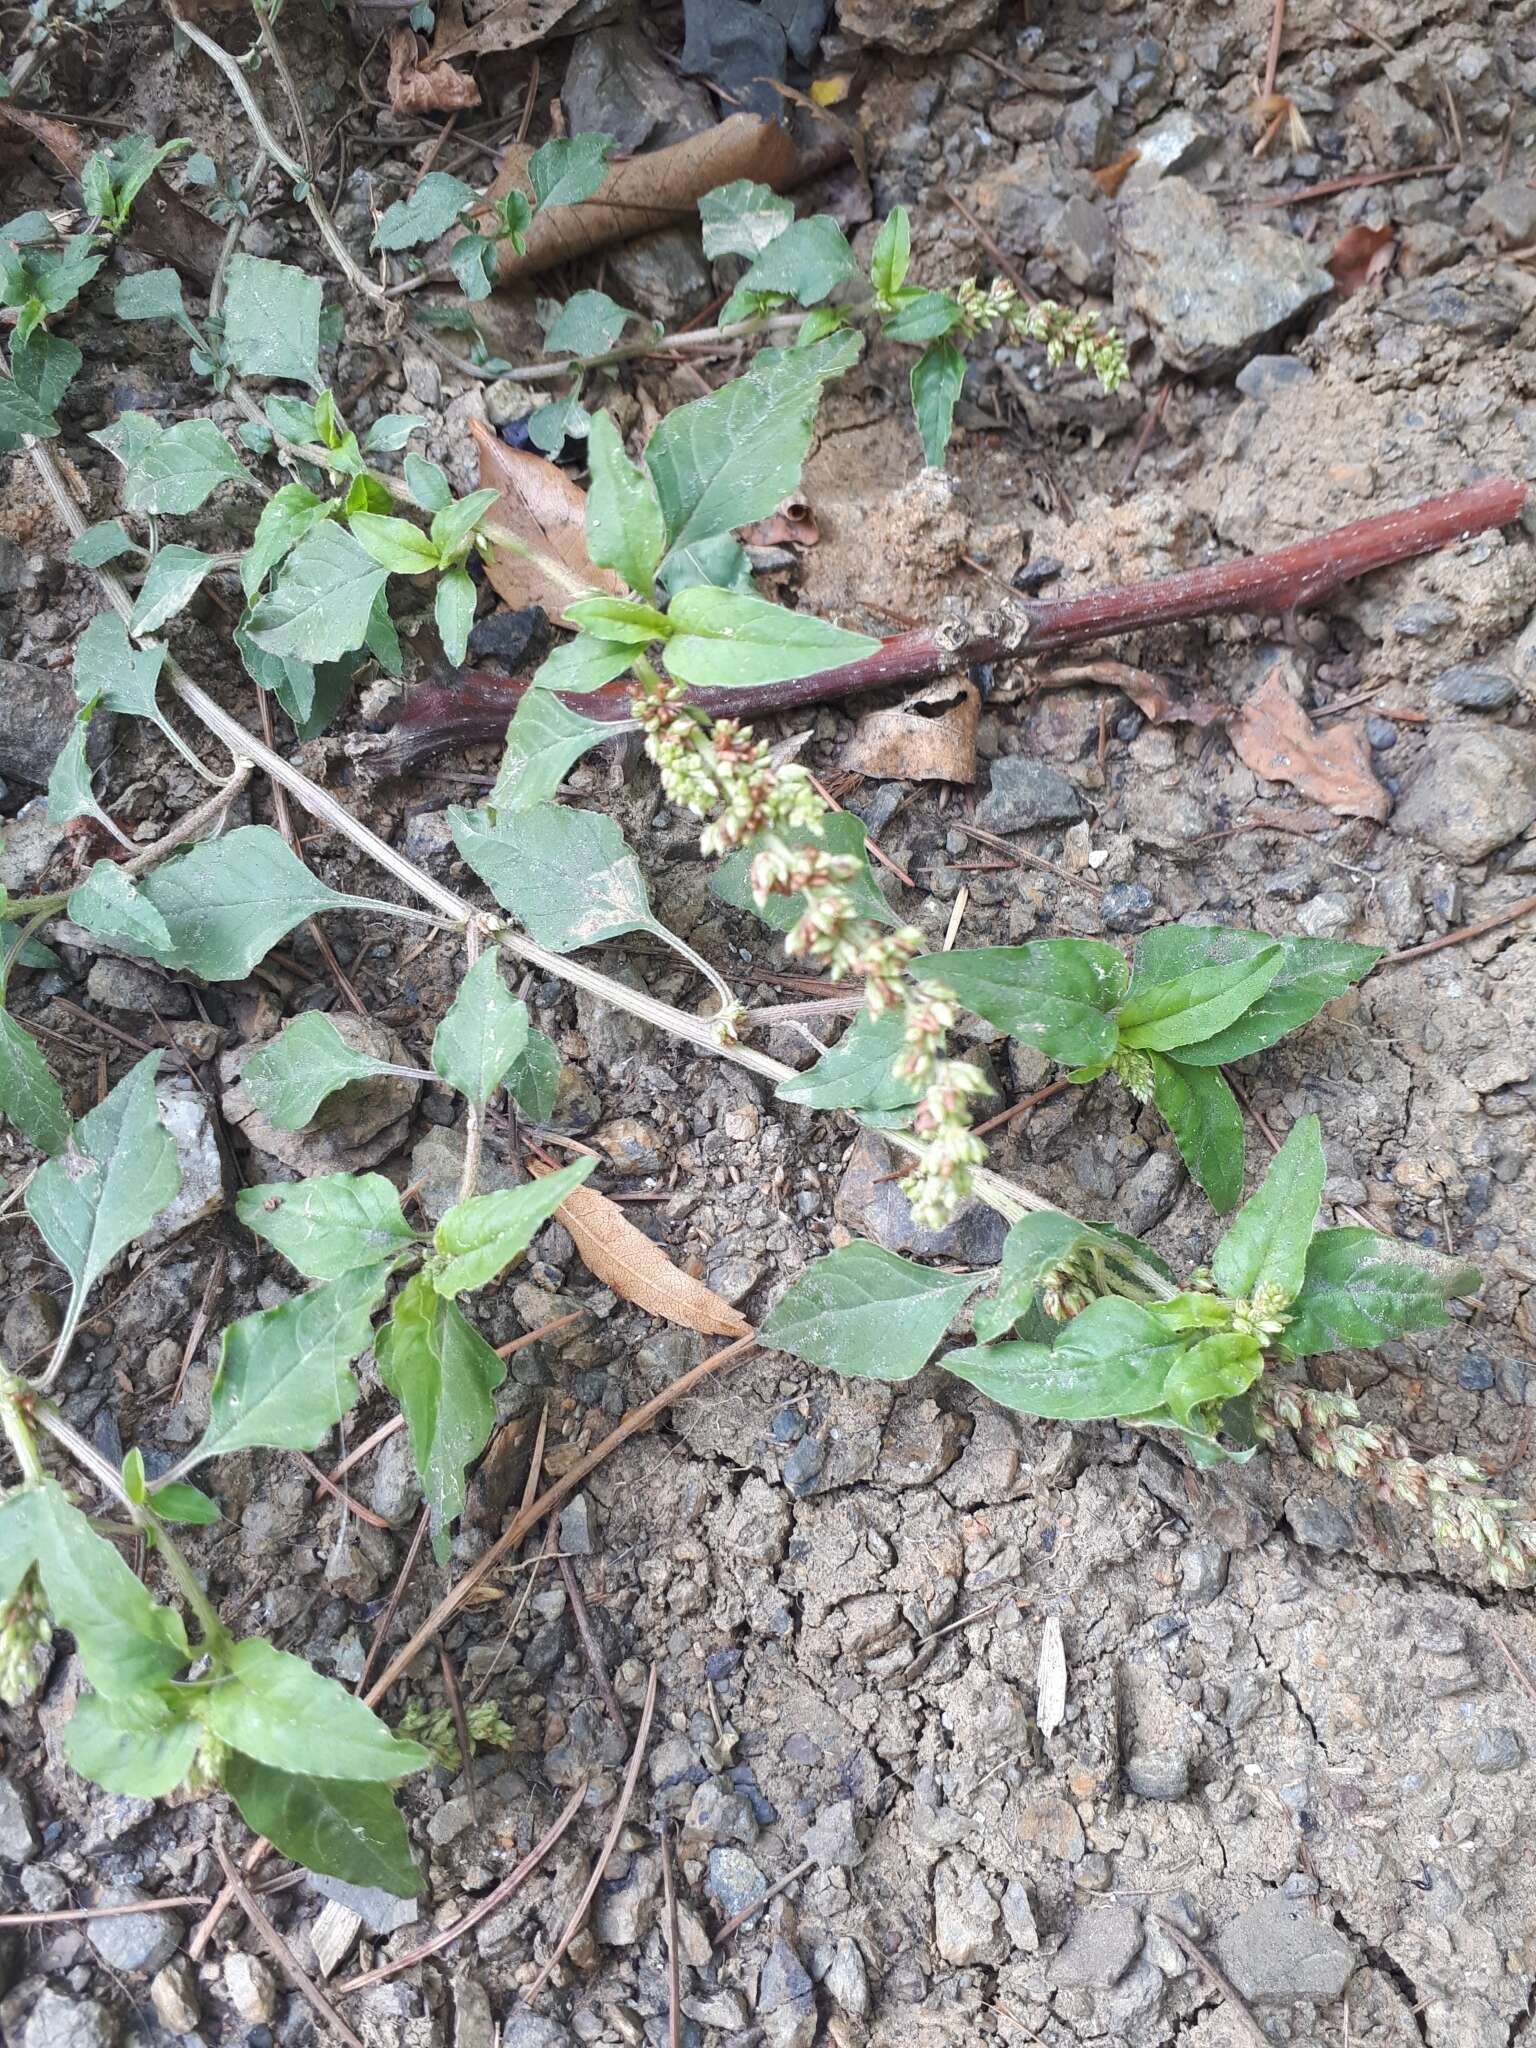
477 705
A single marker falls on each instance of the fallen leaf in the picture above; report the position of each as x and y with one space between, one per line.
1112 176
1051 1682
540 504
511 26
831 91
1361 256
644 193
434 88
625 1259
929 738
1153 695
1276 739
793 525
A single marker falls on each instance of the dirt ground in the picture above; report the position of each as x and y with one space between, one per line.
1295 1736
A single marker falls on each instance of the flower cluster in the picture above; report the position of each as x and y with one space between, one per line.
1263 1314
1133 1067
1451 1490
1063 330
722 772
24 1626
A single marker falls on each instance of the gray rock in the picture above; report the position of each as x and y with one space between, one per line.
1086 131
1473 308
1212 292
616 85
1159 1774
474 2024
847 1980
664 274
870 1203
613 1036
1151 1191
132 1941
32 1322
131 985
1475 790
396 1490
1103 1944
786 2000
380 1911
533 2030
189 1123
1172 148
1473 688
1278 1953
1265 376
27 844
833 1839
437 1165
733 1881
1019 1916
1079 243
740 47
1488 1751
1327 915
719 1813
1396 131
624 1912
353 1129
1027 793
37 715
1203 1567
633 1143
59 2022
725 2011
174 1997
18 1837
966 1917
1509 210
576 1527
252 1986
1126 906
1318 1523
916 30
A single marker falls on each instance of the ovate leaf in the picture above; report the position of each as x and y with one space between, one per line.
307 1061
348 1830
286 517
568 170
108 904
1267 1243
891 257
228 902
1195 1006
937 376
742 218
857 1072
588 324
272 319
321 604
481 1237
453 608
566 876
808 260
534 1079
625 530
1039 1243
1207 1125
428 212
284 1376
1055 994
69 779
1218 1368
863 1311
30 1098
544 740
840 832
140 1748
177 469
104 542
152 295
171 581
1361 1289
1111 1360
127 1644
330 1225
443 1374
275 1708
584 664
724 640
482 1034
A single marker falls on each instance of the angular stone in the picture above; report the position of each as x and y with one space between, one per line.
1509 210
1212 291
1278 1953
60 2022
174 1997
37 715
18 1837
616 85
1172 148
1101 1947
252 1986
832 1837
381 1912
917 30
1158 1774
1025 794
870 1203
1475 790
132 1941
965 1914
847 1979
786 2000
189 1123
1472 687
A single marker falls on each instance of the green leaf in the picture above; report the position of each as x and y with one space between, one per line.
453 608
272 319
1219 1368
481 1237
396 544
127 1644
567 171
534 1079
618 618
1166 1015
426 213
588 324
390 432
113 674
1034 1247
274 1708
177 1502
170 583
512 216
228 902
1361 1289
1111 1360
330 1225
472 259
808 260
107 541
891 257
175 469
285 519
840 832
482 1035
307 1061
1312 973
33 952
107 904
31 1100
427 484
624 524
112 178
140 1748
1207 1125
1057 995
723 461
544 740
292 419
1267 1243
742 218
453 525
284 1378
566 419
116 1175
322 603
42 366
856 1073
348 1830
937 376
70 794
721 639
566 876
152 295
583 664
721 563
864 1312
443 1374
922 316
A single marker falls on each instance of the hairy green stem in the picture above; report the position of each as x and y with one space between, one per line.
15 1395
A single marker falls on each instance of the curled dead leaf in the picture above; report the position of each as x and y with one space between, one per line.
625 1259
929 738
1362 256
1154 696
1276 739
417 88
793 525
540 504
510 26
1113 176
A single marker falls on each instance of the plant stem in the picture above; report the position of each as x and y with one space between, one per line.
14 1394
474 1114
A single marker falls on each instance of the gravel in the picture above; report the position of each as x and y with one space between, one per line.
1278 1953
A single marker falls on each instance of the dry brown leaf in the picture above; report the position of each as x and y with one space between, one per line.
434 88
1361 256
625 1259
510 26
793 525
1276 739
929 738
1112 176
540 503
1154 697
644 192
